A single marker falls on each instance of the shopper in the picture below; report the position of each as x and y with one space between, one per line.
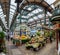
51 39
11 37
32 36
8 37
51 35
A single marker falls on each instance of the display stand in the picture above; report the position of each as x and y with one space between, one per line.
57 34
56 22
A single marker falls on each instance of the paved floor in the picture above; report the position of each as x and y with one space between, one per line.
49 49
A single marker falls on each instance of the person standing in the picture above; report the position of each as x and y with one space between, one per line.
7 35
11 37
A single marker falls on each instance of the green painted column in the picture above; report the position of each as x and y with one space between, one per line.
45 17
20 24
49 22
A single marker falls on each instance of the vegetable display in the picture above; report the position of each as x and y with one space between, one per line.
36 43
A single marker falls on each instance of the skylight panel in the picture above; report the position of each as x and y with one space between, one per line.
22 20
2 16
47 22
12 10
30 19
50 1
30 14
49 14
1 10
13 2
11 13
40 16
0 6
52 6
24 16
17 20
35 11
40 10
12 7
29 8
35 18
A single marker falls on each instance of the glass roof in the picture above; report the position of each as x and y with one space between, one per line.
50 1
13 7
30 12
35 12
35 18
30 20
2 17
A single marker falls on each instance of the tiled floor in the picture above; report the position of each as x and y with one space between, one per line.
49 49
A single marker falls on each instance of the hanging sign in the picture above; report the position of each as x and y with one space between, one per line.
56 26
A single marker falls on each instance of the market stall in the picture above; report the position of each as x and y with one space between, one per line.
21 35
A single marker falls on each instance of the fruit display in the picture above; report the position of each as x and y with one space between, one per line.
38 33
36 43
17 40
34 46
24 38
40 39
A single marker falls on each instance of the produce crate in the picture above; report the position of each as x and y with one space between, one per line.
24 41
16 42
34 46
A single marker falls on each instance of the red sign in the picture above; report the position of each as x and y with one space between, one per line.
56 26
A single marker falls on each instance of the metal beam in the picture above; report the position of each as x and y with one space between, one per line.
42 3
22 18
27 1
26 10
2 25
29 11
6 4
45 16
35 15
13 20
35 2
38 20
8 14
